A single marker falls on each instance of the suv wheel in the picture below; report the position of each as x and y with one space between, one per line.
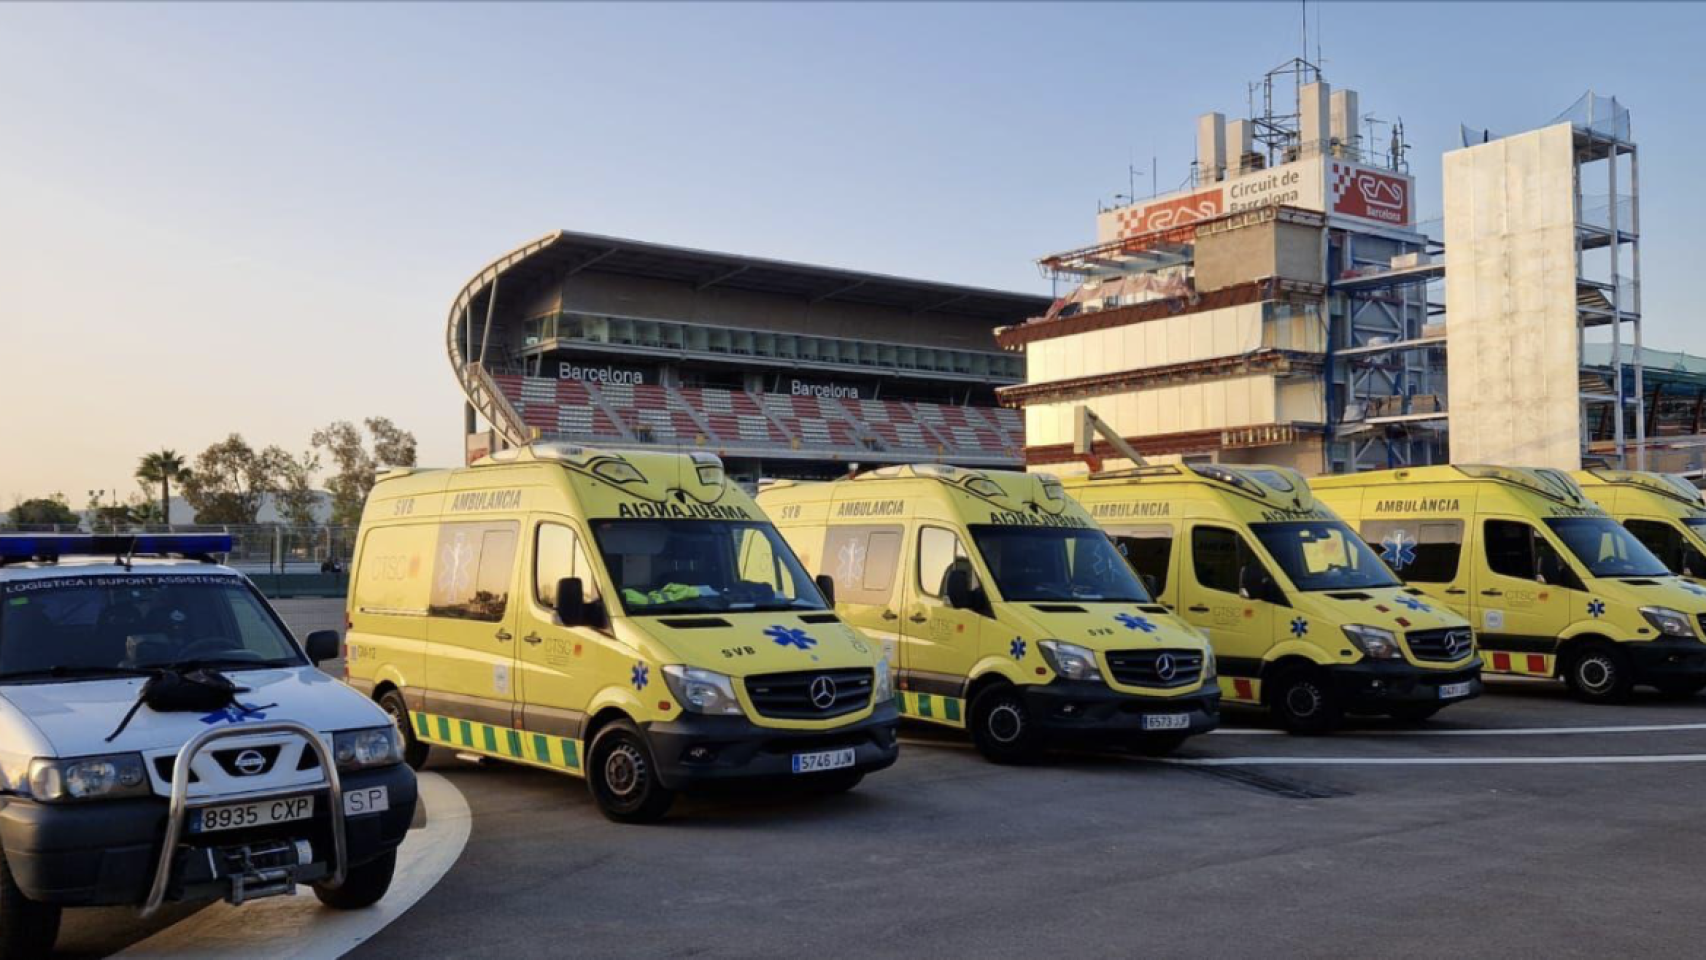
364 886
1303 700
623 778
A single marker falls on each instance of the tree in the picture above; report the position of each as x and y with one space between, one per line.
355 467
163 467
295 496
230 479
144 508
43 511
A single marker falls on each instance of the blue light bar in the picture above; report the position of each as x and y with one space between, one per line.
51 546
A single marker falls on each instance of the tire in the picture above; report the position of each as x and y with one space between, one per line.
622 776
1600 673
1002 728
1304 702
415 753
365 886
1680 689
1158 744
836 781
27 928
1415 712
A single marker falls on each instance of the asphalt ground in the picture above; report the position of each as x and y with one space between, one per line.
1500 827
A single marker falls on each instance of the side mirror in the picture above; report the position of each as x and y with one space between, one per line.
826 586
324 645
958 590
1255 584
1149 584
571 602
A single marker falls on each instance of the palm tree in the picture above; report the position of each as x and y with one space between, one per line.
163 467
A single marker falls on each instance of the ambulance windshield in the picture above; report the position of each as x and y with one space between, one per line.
698 566
1606 548
1056 563
89 627
1323 555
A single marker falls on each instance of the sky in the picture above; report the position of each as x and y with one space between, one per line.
252 218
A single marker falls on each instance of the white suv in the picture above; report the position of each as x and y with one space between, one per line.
293 779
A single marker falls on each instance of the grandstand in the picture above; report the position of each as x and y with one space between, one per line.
784 369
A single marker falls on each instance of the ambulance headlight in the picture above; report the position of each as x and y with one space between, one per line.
883 689
1208 667
371 747
702 691
1671 623
88 778
1070 660
1374 642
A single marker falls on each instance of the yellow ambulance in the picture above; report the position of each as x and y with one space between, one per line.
1305 619
631 618
1663 511
1554 586
1003 608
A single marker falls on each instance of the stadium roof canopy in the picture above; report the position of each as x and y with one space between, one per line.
565 253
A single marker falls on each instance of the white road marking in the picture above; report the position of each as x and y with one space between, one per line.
299 926
1423 761
1489 732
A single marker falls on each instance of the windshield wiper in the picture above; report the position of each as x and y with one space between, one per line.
231 663
63 671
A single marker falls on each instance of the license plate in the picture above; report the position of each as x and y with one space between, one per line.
1167 721
236 816
1451 691
823 760
366 800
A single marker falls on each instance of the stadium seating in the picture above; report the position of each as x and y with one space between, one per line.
558 407
895 424
812 420
652 412
960 429
734 416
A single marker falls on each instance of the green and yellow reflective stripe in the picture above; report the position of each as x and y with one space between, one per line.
543 750
929 706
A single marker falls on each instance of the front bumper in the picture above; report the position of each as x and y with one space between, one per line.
1659 660
693 749
1378 686
103 853
1080 709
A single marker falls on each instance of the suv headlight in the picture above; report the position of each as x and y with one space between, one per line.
1671 623
702 691
1374 642
883 689
369 747
1070 660
88 778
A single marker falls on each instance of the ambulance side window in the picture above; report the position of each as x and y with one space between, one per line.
1418 551
1514 549
475 565
557 553
1667 544
1149 550
862 560
940 550
1217 556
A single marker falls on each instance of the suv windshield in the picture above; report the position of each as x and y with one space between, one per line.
675 566
1056 563
1606 548
1323 555
93 626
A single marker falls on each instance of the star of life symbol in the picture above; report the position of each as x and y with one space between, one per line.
234 713
1135 623
790 637
1398 549
850 563
1299 627
1413 604
456 567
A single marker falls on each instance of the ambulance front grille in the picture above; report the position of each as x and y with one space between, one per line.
809 694
1441 646
1155 668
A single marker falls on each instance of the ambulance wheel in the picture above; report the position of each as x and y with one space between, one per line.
1158 744
1680 689
364 886
1303 701
414 752
1001 727
1414 712
27 928
623 776
1599 673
